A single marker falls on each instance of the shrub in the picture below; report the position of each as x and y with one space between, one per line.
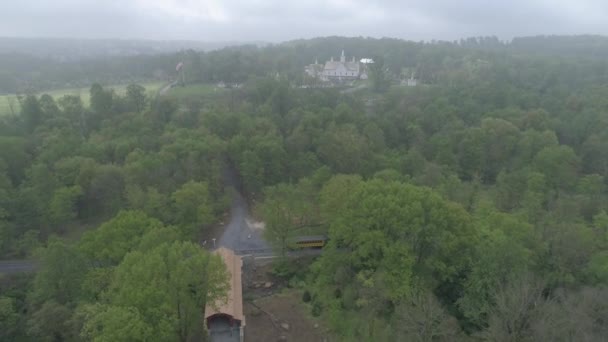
306 296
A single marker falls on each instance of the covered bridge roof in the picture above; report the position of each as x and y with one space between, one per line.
234 306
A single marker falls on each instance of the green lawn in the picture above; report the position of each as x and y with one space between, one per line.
5 106
194 90
151 88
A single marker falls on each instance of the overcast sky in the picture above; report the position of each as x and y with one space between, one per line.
279 20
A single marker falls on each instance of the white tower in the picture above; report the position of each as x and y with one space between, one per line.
342 58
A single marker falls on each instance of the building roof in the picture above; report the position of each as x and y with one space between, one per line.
234 306
333 65
314 67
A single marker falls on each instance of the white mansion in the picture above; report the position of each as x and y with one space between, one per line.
337 71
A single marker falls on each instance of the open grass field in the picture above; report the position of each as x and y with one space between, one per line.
151 89
195 90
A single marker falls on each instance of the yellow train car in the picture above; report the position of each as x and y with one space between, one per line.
315 241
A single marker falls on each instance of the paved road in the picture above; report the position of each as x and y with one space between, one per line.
17 266
238 233
221 331
166 88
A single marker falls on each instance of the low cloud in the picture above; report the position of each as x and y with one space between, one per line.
278 20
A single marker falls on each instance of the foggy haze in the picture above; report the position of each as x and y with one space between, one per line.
279 20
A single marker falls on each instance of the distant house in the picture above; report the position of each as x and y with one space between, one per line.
314 70
410 82
341 70
337 71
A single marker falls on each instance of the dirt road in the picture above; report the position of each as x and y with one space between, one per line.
239 233
166 88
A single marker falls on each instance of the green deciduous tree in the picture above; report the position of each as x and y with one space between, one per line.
287 209
422 318
344 149
571 315
192 208
517 305
50 323
164 109
106 323
101 100
591 189
31 112
9 318
136 97
14 157
471 154
7 235
499 146
387 240
560 165
74 111
62 269
378 75
503 253
62 208
148 200
105 192
597 270
568 250
108 244
49 107
531 143
169 287
336 193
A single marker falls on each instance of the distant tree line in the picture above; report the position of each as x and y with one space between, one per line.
430 61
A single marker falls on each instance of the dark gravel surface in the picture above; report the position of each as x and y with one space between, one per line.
238 234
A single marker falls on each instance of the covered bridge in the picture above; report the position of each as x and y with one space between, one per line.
226 322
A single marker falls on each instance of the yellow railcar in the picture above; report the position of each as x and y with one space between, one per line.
316 241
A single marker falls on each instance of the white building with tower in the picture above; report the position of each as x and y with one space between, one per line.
337 71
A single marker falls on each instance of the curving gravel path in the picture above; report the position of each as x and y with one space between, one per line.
239 234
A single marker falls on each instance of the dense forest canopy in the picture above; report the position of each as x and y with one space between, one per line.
473 205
